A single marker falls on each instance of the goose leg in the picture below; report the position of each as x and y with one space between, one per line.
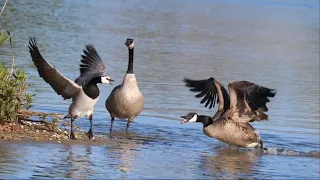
128 123
261 146
112 120
72 136
89 133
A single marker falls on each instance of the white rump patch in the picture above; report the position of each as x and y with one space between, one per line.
254 144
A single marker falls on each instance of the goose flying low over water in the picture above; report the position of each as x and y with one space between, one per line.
126 100
84 92
230 124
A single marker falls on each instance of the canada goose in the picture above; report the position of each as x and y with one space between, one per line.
84 91
230 124
126 100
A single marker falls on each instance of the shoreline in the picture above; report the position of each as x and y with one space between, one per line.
27 130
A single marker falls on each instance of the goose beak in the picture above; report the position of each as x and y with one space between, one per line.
184 120
110 80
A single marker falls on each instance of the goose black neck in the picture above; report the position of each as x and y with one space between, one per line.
206 120
91 90
130 65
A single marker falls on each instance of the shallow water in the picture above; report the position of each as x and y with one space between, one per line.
272 43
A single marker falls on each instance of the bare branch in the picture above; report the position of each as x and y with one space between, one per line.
3 7
12 66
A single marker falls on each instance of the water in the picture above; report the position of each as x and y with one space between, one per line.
272 43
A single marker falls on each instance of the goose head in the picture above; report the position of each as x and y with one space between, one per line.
106 80
129 43
99 79
191 117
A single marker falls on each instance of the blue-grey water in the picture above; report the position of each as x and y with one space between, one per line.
274 43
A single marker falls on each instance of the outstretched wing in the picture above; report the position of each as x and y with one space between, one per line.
248 101
209 89
62 85
91 67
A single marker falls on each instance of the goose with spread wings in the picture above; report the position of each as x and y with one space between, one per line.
246 102
84 91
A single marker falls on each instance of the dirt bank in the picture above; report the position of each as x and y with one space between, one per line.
54 130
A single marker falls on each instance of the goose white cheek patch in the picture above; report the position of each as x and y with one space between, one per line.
105 80
131 45
194 118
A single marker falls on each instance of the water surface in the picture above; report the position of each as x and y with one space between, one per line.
272 43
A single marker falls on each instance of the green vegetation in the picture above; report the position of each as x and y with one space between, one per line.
12 93
4 34
13 96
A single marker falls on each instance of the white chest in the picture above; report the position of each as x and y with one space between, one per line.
82 104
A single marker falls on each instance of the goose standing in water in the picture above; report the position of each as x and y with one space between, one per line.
84 92
126 100
230 124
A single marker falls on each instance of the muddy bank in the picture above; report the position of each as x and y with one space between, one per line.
17 131
53 130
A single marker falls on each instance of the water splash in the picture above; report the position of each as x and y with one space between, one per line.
288 152
270 151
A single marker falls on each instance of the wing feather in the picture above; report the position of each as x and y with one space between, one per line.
91 67
62 85
248 101
211 91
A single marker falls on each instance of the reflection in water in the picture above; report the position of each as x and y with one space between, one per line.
9 155
79 162
230 163
126 150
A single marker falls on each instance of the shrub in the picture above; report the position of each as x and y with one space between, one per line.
13 97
